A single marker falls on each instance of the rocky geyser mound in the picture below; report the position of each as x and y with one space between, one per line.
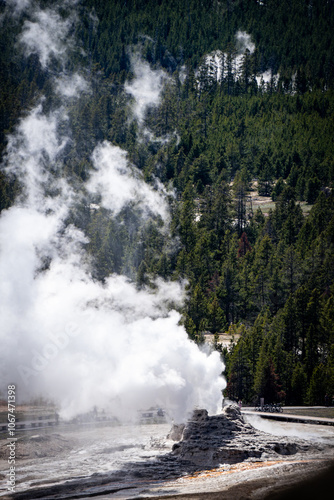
227 439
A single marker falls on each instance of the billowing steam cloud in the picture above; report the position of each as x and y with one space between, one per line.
46 35
118 184
63 335
244 42
146 90
146 87
16 7
71 85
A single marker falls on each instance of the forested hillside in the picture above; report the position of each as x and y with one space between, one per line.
247 100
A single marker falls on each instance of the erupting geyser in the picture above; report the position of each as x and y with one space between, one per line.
66 336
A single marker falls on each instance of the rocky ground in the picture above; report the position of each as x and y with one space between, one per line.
214 457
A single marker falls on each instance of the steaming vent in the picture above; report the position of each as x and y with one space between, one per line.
209 441
67 336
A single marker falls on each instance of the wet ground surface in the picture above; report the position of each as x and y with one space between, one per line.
139 461
78 453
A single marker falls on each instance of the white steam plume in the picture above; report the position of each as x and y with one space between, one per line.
63 335
146 87
16 7
244 42
30 151
118 184
46 35
71 85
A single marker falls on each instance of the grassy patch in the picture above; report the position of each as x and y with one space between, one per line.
311 412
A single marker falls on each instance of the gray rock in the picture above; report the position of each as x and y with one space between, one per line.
226 438
176 432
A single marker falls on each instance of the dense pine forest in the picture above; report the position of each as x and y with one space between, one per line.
246 114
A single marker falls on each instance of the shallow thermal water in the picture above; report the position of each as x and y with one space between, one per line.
82 452
120 461
311 432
